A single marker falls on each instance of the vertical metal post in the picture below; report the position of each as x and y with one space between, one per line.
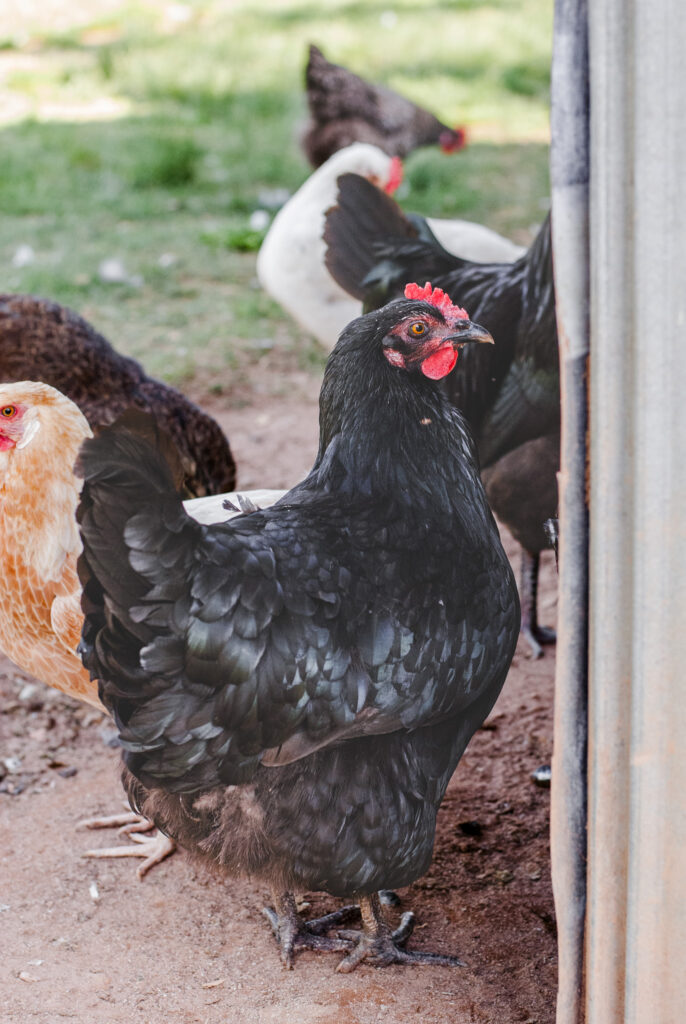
569 165
612 570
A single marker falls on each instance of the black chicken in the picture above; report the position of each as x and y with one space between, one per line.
510 394
294 689
41 340
346 109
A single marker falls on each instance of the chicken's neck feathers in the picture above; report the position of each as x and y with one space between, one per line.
391 437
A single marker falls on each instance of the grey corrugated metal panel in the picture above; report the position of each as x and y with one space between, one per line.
611 524
656 922
636 931
569 178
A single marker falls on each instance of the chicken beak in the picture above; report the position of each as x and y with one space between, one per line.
443 358
470 332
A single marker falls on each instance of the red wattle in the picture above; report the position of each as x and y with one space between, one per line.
440 363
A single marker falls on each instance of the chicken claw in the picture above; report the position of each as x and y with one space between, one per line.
536 636
380 946
152 848
129 822
292 933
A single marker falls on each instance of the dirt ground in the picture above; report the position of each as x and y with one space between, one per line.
85 940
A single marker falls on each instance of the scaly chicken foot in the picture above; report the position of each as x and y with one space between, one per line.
152 849
534 634
292 933
380 946
129 822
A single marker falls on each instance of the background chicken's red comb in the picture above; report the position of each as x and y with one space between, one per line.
437 297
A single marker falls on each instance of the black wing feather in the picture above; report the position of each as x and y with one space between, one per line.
236 647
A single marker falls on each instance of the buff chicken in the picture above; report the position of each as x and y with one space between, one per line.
40 605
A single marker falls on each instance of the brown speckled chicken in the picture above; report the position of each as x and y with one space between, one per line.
40 602
41 340
346 109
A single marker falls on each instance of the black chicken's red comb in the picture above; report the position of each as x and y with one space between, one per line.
438 298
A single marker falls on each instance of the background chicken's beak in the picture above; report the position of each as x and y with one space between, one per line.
471 332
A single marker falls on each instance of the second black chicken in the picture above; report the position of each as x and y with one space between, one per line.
294 688
510 393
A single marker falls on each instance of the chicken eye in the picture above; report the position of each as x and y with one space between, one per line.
8 411
418 328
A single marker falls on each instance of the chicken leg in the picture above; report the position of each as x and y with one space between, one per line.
152 848
293 933
528 595
380 946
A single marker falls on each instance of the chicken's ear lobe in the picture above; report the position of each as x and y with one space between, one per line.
394 357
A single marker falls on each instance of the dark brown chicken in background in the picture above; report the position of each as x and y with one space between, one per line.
346 109
510 393
42 340
293 689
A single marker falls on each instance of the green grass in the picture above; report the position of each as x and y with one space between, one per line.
149 132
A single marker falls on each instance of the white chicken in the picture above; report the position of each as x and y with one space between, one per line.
290 263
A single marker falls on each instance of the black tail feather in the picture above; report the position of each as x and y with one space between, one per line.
363 217
132 474
145 426
373 249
